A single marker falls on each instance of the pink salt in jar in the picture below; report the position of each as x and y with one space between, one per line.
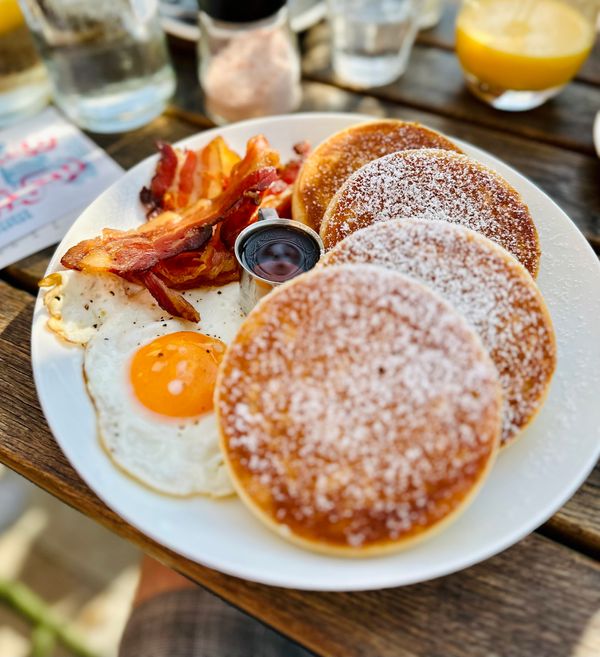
249 62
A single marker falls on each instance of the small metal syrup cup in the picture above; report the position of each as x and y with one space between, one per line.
252 286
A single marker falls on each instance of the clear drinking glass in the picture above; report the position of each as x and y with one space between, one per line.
107 61
516 54
24 87
372 39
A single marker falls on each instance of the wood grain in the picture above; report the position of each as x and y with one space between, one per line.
577 524
26 273
13 303
132 147
545 594
434 82
539 597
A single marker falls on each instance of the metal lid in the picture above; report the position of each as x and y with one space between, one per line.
240 11
252 285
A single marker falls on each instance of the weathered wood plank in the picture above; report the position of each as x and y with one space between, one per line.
577 524
536 598
590 71
26 272
132 147
12 303
434 82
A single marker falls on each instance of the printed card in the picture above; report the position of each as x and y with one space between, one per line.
49 172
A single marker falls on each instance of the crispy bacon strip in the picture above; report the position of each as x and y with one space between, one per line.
164 177
170 233
168 299
212 265
154 246
237 220
279 194
186 179
289 172
183 176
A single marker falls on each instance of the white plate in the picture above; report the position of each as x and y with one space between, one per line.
530 481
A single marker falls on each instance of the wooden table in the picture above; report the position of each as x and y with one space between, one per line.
542 596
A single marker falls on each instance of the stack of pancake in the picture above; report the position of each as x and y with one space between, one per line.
361 405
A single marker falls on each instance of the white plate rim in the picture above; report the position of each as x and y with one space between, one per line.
379 582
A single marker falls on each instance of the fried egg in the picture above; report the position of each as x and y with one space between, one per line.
150 376
78 304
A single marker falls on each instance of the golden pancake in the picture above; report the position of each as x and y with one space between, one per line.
358 411
492 290
340 155
434 184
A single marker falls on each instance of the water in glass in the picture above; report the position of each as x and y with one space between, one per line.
372 39
107 61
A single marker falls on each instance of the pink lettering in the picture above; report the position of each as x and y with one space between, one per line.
31 185
29 148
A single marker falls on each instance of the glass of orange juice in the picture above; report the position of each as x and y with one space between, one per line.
24 88
516 54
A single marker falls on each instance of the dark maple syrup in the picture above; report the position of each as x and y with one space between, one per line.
278 253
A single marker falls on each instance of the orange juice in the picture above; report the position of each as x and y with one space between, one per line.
522 45
23 84
17 52
10 16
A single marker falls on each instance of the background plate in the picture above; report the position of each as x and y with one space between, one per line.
179 18
530 480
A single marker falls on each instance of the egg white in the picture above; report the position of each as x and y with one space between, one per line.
112 319
78 304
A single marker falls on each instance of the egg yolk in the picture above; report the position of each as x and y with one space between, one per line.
175 374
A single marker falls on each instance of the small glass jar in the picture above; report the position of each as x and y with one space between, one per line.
249 64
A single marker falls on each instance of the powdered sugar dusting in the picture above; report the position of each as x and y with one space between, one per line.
339 156
493 292
434 184
357 406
